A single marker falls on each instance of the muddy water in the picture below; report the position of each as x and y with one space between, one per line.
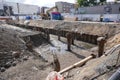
79 51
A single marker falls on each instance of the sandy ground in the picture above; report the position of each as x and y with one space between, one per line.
29 66
35 68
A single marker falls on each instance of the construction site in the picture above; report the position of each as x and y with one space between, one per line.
58 47
76 50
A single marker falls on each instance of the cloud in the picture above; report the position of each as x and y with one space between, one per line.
15 1
40 2
45 2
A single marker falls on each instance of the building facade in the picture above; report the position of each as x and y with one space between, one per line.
109 12
101 9
64 7
12 9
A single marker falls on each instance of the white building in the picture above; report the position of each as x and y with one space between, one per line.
21 9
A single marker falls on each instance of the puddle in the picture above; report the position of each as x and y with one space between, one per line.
59 47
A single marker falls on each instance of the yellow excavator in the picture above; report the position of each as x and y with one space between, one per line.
47 15
52 11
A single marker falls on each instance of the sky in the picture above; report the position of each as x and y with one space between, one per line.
48 3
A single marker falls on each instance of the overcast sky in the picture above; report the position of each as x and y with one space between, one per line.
48 3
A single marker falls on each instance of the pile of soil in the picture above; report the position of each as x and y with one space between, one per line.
16 62
32 69
10 45
97 69
115 40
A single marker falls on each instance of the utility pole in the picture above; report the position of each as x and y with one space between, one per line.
18 10
8 11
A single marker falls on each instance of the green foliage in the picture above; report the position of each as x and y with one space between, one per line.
102 1
92 2
85 3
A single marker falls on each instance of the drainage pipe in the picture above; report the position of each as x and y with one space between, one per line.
80 63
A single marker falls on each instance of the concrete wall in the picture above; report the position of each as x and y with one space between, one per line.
23 8
95 17
112 17
1 6
89 17
14 6
28 9
103 9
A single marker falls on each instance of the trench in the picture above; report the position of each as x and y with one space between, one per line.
47 48
81 49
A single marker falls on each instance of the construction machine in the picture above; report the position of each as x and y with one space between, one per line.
51 13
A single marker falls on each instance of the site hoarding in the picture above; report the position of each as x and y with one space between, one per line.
1 6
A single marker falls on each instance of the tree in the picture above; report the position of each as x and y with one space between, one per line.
87 2
83 2
102 1
92 2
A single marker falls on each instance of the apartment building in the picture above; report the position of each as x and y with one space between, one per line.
64 7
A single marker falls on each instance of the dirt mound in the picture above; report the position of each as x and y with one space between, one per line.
12 46
98 69
9 41
32 69
9 44
113 41
16 62
94 28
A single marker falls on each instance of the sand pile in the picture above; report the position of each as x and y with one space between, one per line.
99 69
113 41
